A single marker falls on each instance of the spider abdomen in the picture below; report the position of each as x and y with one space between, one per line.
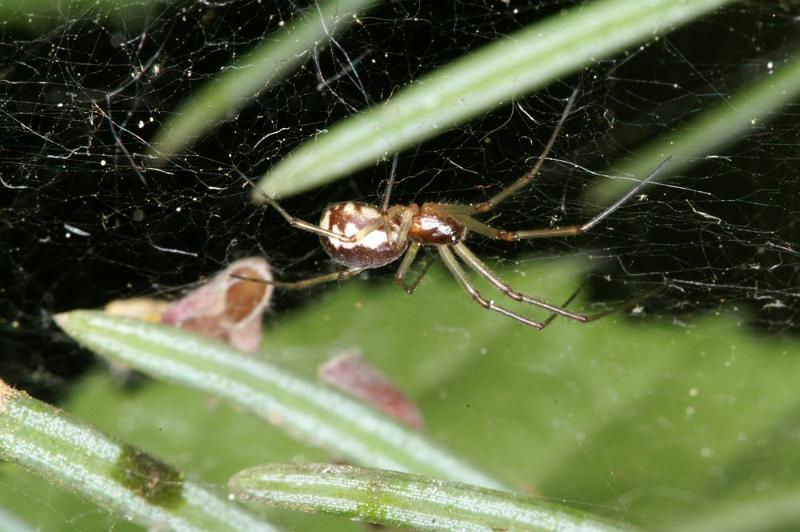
371 250
431 226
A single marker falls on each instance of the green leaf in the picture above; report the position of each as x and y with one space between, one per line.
476 83
398 499
314 413
645 420
710 131
110 473
209 440
780 512
279 55
9 522
664 423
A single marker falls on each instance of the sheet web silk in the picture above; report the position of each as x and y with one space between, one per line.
85 218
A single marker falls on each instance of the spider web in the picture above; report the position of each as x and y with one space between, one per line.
85 220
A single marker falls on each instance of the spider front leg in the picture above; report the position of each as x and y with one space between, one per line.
526 180
481 228
580 229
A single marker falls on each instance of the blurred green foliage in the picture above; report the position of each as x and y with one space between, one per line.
649 419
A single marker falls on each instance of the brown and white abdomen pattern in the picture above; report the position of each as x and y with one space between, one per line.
348 219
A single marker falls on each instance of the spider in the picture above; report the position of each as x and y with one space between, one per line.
361 236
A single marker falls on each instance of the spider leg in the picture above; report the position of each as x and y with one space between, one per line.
407 218
569 230
452 264
476 264
362 234
313 228
565 304
631 303
309 282
302 224
481 228
390 184
580 229
402 271
385 206
387 228
526 180
383 221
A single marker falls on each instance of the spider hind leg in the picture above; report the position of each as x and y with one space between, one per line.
308 282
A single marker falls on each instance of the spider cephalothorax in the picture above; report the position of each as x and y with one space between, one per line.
362 236
432 225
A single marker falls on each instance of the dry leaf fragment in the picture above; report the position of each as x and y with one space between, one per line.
351 374
229 307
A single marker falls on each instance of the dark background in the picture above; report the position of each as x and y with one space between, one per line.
84 219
